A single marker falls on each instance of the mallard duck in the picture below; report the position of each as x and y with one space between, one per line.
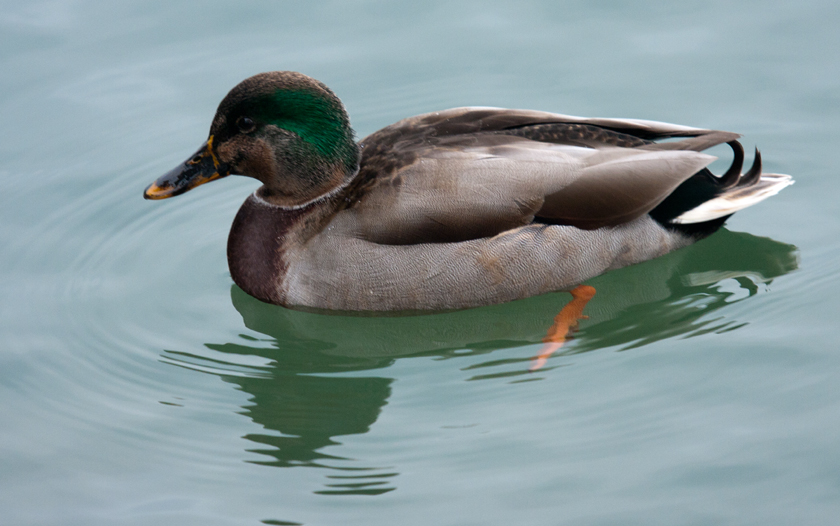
453 209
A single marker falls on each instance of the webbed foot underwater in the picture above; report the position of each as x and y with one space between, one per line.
452 209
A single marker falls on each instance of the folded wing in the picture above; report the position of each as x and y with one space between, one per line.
477 172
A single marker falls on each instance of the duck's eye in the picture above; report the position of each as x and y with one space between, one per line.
245 124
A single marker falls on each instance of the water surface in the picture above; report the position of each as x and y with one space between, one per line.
138 385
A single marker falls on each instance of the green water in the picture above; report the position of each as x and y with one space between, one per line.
138 385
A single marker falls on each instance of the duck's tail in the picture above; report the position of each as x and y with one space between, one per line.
735 199
702 204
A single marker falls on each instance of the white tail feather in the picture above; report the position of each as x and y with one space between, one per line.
736 199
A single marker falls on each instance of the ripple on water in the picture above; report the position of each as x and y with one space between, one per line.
142 295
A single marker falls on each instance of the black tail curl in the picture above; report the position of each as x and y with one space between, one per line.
754 174
705 186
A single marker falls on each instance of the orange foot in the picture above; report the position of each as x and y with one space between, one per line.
564 324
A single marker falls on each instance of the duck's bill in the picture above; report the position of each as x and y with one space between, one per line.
202 167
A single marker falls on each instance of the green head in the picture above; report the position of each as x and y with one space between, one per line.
283 128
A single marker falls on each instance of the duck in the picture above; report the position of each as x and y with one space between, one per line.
453 209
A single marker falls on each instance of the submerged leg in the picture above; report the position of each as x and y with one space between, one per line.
564 324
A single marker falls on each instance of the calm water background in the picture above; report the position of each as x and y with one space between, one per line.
139 386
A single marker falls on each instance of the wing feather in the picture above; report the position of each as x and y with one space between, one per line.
476 172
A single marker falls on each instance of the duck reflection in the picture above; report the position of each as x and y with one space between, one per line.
680 297
314 391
